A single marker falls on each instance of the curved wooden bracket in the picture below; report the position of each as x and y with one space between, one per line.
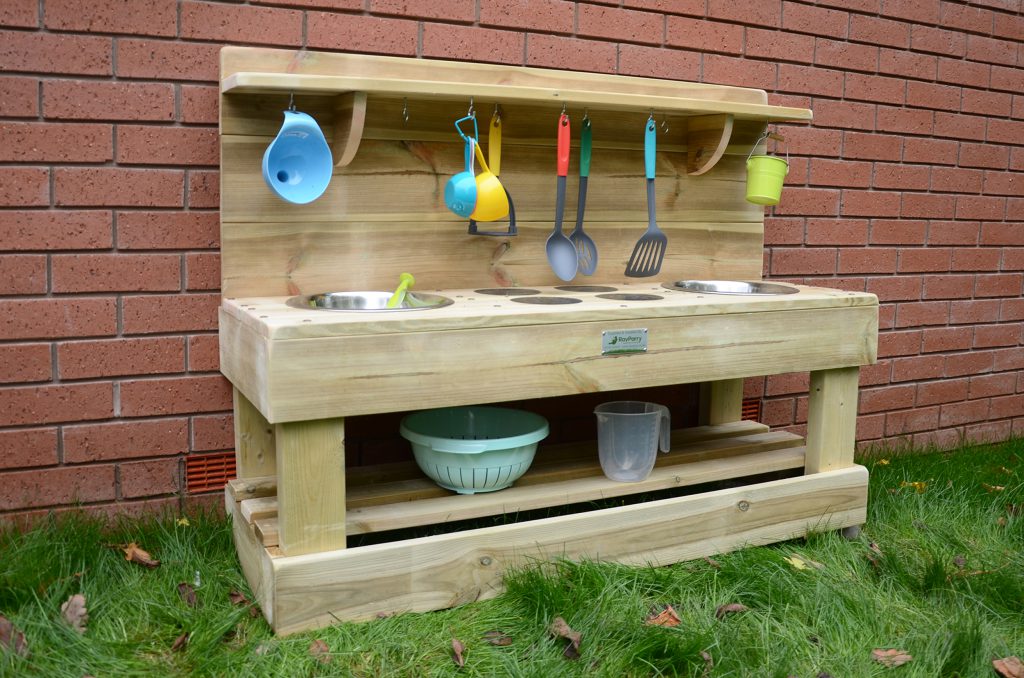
349 118
707 138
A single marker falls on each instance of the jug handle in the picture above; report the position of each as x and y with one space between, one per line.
666 429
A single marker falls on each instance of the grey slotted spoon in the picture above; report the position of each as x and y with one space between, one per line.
649 251
586 248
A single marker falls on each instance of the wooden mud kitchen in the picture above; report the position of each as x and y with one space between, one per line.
298 372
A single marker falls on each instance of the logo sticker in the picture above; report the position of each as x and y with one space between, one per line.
624 341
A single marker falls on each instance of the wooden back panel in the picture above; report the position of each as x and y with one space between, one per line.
384 213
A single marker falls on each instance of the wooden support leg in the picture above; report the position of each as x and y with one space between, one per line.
254 440
721 402
831 420
311 486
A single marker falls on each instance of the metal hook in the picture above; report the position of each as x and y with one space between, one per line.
496 118
563 109
291 101
664 123
405 112
586 114
471 113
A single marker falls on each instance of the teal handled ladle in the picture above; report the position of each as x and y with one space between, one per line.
560 250
586 248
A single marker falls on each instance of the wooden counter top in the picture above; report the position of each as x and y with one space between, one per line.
273 319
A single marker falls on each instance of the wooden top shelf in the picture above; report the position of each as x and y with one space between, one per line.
496 93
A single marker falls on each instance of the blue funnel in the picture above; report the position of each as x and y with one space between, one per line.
297 164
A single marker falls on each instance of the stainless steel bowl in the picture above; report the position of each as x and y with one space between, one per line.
731 287
368 301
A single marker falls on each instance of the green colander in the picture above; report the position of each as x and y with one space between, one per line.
474 449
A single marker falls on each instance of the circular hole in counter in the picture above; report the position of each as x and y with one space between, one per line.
507 291
631 296
586 288
547 301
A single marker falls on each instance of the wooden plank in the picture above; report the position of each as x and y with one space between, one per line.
443 74
382 483
251 488
721 401
368 188
400 118
506 94
281 259
254 440
832 419
574 489
252 556
274 318
258 507
419 501
446 570
311 485
327 377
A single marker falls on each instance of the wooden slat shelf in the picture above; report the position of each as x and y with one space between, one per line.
560 475
486 95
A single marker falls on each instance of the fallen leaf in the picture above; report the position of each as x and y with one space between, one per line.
993 488
187 594
133 553
1009 667
560 629
729 609
75 613
319 649
918 485
666 617
457 649
713 563
498 638
882 462
11 639
801 563
891 658
709 663
238 598
180 642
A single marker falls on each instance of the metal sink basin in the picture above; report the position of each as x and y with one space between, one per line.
368 301
731 287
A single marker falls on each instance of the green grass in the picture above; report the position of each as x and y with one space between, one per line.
948 588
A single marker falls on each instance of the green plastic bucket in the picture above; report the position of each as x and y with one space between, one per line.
765 174
474 449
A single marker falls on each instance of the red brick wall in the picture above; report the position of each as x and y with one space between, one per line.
909 184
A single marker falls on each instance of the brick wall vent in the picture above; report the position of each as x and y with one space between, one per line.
208 472
751 409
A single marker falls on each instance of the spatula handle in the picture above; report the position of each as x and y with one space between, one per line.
650 147
563 145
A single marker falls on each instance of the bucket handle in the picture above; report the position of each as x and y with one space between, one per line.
768 134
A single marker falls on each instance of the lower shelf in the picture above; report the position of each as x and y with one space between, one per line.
397 496
430 573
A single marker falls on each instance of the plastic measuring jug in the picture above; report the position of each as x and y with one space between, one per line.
629 434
